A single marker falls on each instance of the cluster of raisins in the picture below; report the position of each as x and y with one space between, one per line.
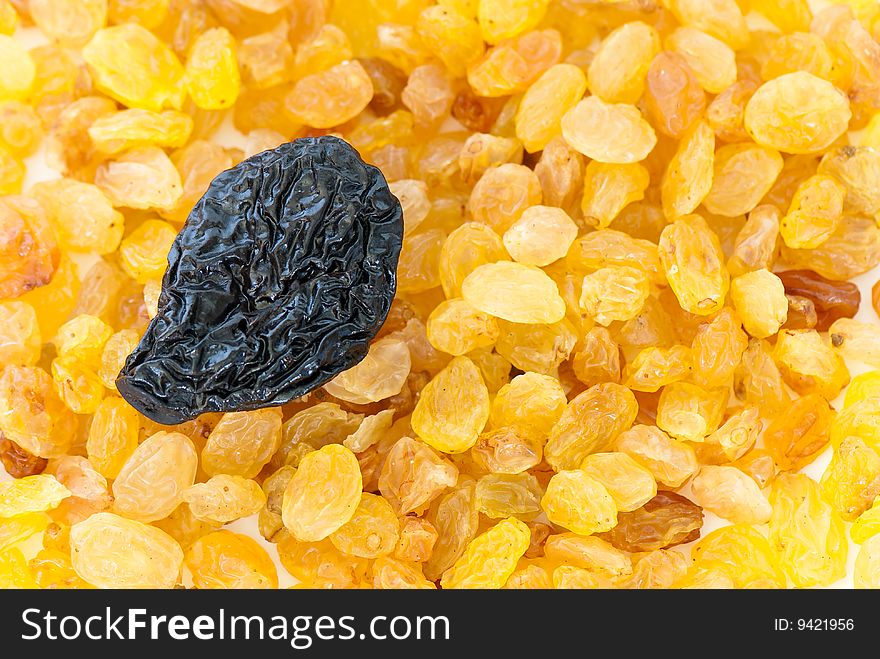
622 299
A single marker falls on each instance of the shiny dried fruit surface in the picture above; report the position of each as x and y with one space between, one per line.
797 436
832 299
503 194
371 532
691 255
109 551
17 462
490 558
29 249
212 77
20 342
630 484
614 293
672 462
453 408
730 494
810 365
323 493
546 101
855 340
32 414
608 132
113 436
744 174
743 553
760 300
100 230
223 498
815 212
414 474
152 481
666 520
142 178
618 70
331 97
806 533
579 502
673 95
31 494
514 292
335 292
590 423
532 402
131 65
851 481
690 172
540 236
229 560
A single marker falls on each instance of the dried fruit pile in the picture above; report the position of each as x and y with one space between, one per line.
623 295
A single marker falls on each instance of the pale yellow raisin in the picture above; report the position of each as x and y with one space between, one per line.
323 493
452 408
797 113
109 551
515 292
608 132
490 558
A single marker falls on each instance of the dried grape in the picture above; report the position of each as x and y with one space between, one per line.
346 292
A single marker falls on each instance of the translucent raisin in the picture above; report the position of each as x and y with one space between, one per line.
668 519
799 434
490 558
109 551
673 94
588 128
323 494
832 299
774 115
230 560
17 462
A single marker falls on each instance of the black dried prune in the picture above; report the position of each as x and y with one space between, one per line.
281 276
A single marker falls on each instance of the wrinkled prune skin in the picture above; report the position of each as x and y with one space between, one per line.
281 276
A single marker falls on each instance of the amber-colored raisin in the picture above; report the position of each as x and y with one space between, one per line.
667 520
800 433
17 462
831 299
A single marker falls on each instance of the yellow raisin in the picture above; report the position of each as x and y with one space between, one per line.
490 558
540 112
453 408
134 67
323 494
223 559
776 115
330 97
691 256
514 292
109 551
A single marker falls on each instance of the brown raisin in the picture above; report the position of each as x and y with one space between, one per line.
832 299
388 83
474 112
18 462
667 520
